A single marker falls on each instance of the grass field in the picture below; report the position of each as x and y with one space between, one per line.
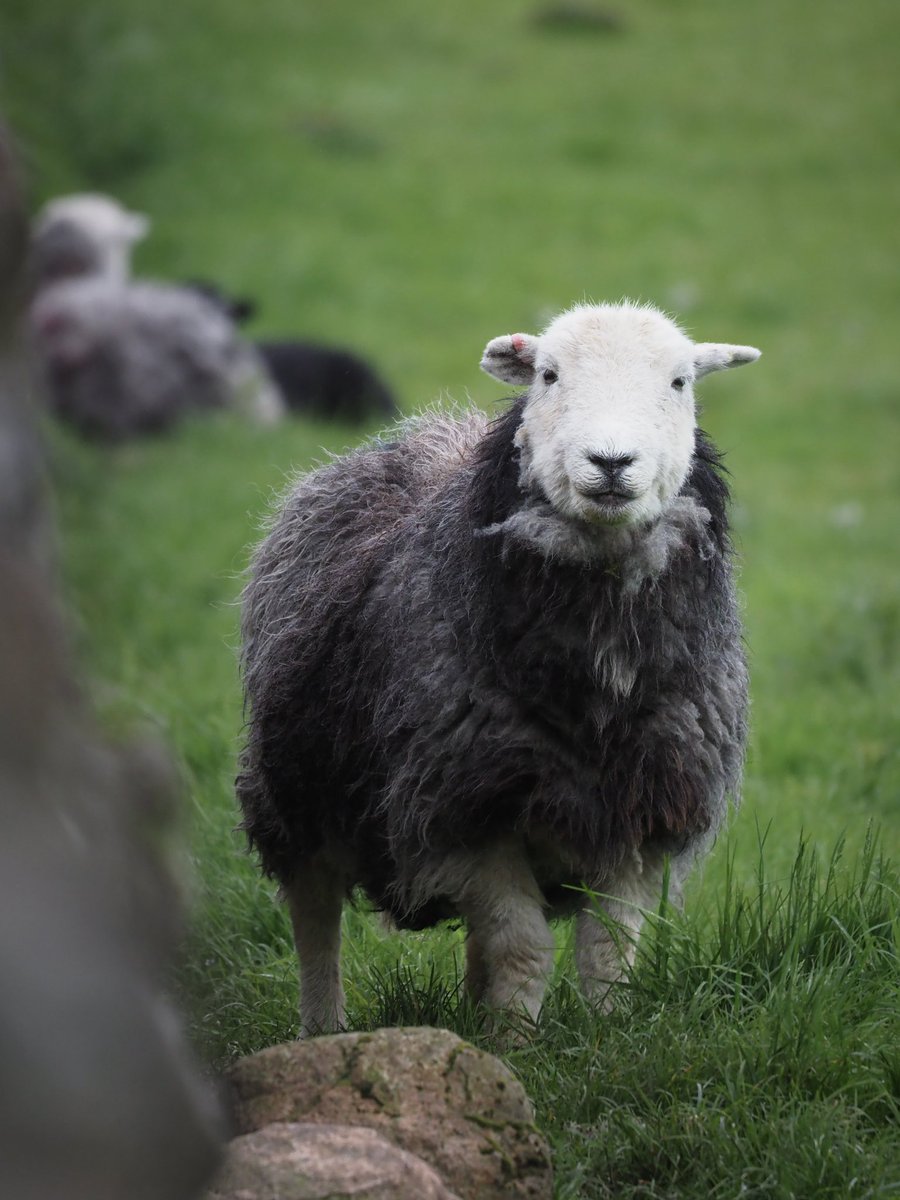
411 180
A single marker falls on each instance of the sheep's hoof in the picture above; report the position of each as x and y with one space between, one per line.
508 1028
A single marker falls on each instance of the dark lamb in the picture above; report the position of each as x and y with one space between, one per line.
325 381
313 379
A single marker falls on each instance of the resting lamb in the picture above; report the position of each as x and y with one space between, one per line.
118 360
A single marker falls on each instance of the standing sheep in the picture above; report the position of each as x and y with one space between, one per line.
485 662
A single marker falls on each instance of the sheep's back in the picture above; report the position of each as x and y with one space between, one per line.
151 352
314 630
338 523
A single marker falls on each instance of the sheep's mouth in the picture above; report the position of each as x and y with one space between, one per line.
608 506
609 498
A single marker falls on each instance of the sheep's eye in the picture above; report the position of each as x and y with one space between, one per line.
678 383
550 376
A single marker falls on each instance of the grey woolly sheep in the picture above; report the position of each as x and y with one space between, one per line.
122 359
486 663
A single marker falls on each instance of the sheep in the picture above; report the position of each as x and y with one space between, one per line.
326 381
116 358
320 381
63 251
122 359
84 234
489 665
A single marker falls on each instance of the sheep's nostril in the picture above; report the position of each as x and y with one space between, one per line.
611 463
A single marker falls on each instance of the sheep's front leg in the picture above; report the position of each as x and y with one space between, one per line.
315 901
605 946
510 945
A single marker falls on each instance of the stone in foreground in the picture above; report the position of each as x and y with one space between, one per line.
323 1162
425 1090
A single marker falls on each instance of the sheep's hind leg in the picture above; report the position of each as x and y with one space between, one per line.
510 945
476 969
606 941
315 900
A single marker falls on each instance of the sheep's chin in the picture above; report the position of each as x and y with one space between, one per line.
630 514
607 520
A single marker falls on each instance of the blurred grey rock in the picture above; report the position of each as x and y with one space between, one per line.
100 1098
458 1108
323 1162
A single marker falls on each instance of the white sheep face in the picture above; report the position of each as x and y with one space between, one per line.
112 229
608 426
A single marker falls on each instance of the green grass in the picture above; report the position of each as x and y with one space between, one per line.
753 1050
412 180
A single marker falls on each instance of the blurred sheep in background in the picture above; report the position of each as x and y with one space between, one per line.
120 358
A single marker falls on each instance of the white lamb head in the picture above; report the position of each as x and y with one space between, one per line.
608 425
111 229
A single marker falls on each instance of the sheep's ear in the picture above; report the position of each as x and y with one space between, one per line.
511 358
242 309
138 226
717 356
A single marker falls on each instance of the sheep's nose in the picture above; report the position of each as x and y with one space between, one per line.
611 464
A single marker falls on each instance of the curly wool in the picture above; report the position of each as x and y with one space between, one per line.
434 656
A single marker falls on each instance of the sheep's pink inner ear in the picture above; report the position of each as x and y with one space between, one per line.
511 358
